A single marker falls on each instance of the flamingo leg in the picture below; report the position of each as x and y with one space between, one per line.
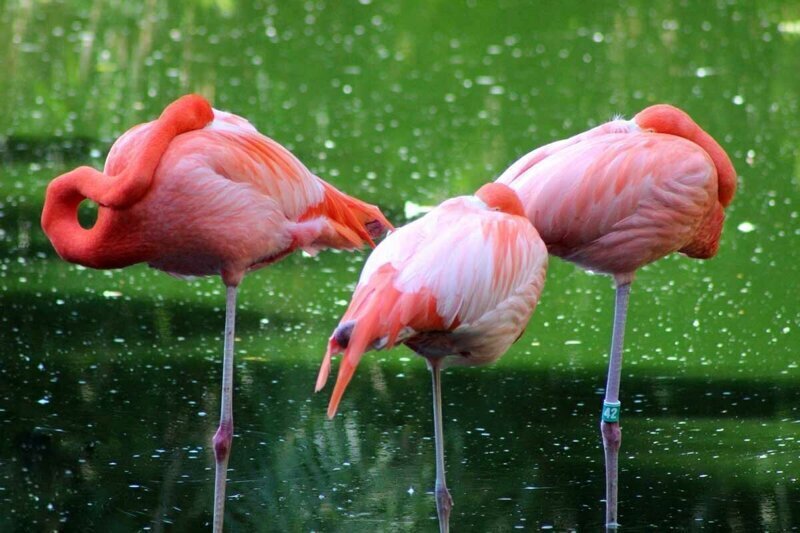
224 435
444 503
609 425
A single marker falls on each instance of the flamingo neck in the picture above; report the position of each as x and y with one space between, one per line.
116 240
96 247
664 118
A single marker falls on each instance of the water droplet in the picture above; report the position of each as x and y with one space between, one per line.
746 227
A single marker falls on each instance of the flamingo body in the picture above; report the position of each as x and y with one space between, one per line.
460 282
623 195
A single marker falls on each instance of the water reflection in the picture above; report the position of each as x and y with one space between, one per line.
108 380
117 450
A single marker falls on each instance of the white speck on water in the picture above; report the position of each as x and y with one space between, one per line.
410 491
111 294
704 72
202 413
572 342
134 486
746 227
340 303
43 401
738 99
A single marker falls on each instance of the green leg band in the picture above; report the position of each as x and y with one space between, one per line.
611 411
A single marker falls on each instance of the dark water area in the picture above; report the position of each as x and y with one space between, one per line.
109 381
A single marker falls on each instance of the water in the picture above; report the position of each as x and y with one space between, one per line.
109 380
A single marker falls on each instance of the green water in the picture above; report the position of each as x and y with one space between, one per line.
109 381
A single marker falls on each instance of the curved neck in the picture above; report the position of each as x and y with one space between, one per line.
665 118
116 239
96 247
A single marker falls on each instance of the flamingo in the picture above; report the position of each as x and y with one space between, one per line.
200 192
457 286
620 196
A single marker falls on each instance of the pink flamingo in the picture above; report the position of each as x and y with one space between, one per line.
618 197
200 192
457 286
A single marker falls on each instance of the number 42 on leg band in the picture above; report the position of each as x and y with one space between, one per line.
611 411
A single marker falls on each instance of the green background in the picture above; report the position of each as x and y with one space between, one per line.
109 380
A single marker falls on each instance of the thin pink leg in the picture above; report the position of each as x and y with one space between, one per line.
224 435
609 426
444 503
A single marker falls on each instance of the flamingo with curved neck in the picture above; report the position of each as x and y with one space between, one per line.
201 192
